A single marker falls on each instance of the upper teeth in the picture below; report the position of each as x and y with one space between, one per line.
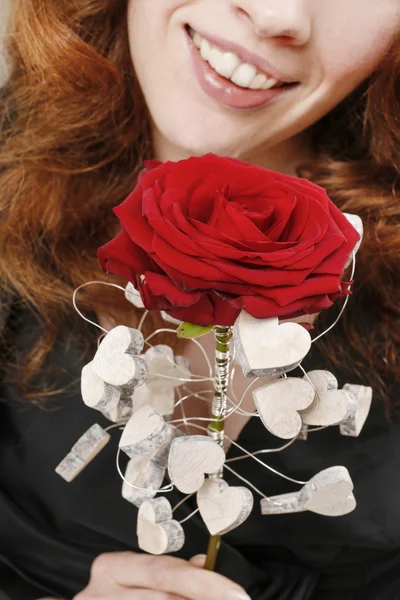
230 66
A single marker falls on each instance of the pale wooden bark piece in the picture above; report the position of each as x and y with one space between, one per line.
330 405
223 508
328 493
91 443
278 404
190 458
117 362
83 452
145 432
70 467
157 532
266 348
96 393
355 421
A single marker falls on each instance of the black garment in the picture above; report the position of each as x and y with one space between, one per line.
50 531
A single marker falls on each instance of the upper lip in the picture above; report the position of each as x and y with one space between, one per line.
246 55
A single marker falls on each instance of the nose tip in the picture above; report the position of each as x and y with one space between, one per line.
286 19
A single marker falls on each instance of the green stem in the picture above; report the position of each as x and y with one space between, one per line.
217 426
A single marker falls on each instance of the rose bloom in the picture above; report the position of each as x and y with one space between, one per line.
206 237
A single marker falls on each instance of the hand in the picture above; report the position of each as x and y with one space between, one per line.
130 576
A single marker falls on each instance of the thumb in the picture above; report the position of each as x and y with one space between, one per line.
198 560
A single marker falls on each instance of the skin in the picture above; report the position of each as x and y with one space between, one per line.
330 47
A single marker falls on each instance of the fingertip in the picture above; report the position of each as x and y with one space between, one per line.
198 560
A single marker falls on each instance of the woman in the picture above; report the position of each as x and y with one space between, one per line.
95 88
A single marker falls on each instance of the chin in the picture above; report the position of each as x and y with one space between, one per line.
196 141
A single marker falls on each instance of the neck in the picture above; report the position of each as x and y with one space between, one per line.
285 157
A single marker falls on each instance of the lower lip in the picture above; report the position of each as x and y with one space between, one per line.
224 91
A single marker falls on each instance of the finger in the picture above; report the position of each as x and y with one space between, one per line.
198 561
143 594
124 594
166 574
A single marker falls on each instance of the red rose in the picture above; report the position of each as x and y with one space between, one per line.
204 238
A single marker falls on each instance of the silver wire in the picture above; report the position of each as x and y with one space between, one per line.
92 283
344 303
265 465
167 488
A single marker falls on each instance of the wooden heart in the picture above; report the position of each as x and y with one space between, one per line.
266 348
359 227
145 432
133 296
142 472
162 400
278 404
117 362
148 471
223 508
303 433
123 411
328 493
161 455
157 532
83 452
190 458
164 369
354 423
330 405
96 393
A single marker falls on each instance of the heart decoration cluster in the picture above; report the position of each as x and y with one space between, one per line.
137 390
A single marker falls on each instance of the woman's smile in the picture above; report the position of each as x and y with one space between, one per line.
229 79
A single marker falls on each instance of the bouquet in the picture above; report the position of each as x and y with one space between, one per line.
225 248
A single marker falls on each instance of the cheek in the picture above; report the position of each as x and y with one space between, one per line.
349 58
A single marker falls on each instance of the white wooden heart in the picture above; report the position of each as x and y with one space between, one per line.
133 296
123 411
145 432
96 393
278 404
359 227
161 455
164 369
303 433
157 532
330 405
223 508
83 452
354 423
162 400
328 493
266 348
117 362
144 473
190 458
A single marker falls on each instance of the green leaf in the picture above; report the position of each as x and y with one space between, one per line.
189 330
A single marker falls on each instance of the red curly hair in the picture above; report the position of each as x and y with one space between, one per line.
74 131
